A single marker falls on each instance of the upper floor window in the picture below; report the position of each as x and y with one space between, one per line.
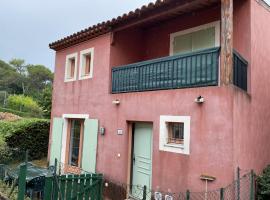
194 39
71 67
86 63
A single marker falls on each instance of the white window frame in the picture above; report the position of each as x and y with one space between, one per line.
68 57
82 62
163 134
215 24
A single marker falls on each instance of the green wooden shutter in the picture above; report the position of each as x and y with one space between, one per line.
90 145
56 143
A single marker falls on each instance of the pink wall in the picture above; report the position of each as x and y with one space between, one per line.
157 37
252 113
219 127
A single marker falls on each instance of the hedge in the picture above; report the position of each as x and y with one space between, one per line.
263 184
26 134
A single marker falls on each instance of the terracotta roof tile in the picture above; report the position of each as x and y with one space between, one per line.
109 25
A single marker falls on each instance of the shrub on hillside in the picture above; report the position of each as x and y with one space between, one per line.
263 183
28 134
24 104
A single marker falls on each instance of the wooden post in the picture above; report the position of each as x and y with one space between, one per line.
226 54
22 181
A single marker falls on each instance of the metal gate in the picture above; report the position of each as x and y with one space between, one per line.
68 187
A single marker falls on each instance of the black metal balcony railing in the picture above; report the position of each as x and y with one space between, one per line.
239 71
194 69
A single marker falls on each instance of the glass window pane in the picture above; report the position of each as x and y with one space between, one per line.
182 44
203 39
75 134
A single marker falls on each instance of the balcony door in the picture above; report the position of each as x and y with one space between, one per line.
195 39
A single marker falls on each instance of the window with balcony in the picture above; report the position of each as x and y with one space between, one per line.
86 63
71 67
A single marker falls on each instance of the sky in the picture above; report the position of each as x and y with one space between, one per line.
28 26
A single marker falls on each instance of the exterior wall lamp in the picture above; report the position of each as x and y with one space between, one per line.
199 99
116 102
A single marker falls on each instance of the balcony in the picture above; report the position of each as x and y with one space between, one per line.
196 69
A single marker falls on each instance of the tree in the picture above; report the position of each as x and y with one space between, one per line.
10 80
46 101
19 65
39 77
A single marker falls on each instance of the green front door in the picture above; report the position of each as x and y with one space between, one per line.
142 159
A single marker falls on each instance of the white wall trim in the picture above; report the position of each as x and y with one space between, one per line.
215 24
163 134
69 56
65 127
82 53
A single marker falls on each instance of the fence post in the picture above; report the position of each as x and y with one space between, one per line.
22 178
188 194
144 192
54 189
252 195
238 183
221 193
101 187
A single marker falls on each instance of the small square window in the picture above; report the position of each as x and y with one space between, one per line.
175 132
86 63
71 67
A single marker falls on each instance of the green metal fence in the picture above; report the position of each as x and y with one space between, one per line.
84 186
194 69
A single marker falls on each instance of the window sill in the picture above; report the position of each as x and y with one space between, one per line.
180 146
70 79
85 77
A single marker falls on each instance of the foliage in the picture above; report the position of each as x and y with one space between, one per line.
10 80
26 134
5 189
32 80
39 77
19 65
23 104
263 182
46 101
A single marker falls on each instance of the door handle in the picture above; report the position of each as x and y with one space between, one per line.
134 158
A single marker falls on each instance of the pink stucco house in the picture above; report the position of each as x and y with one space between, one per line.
166 93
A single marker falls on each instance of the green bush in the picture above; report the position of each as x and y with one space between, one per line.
25 134
23 104
263 183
